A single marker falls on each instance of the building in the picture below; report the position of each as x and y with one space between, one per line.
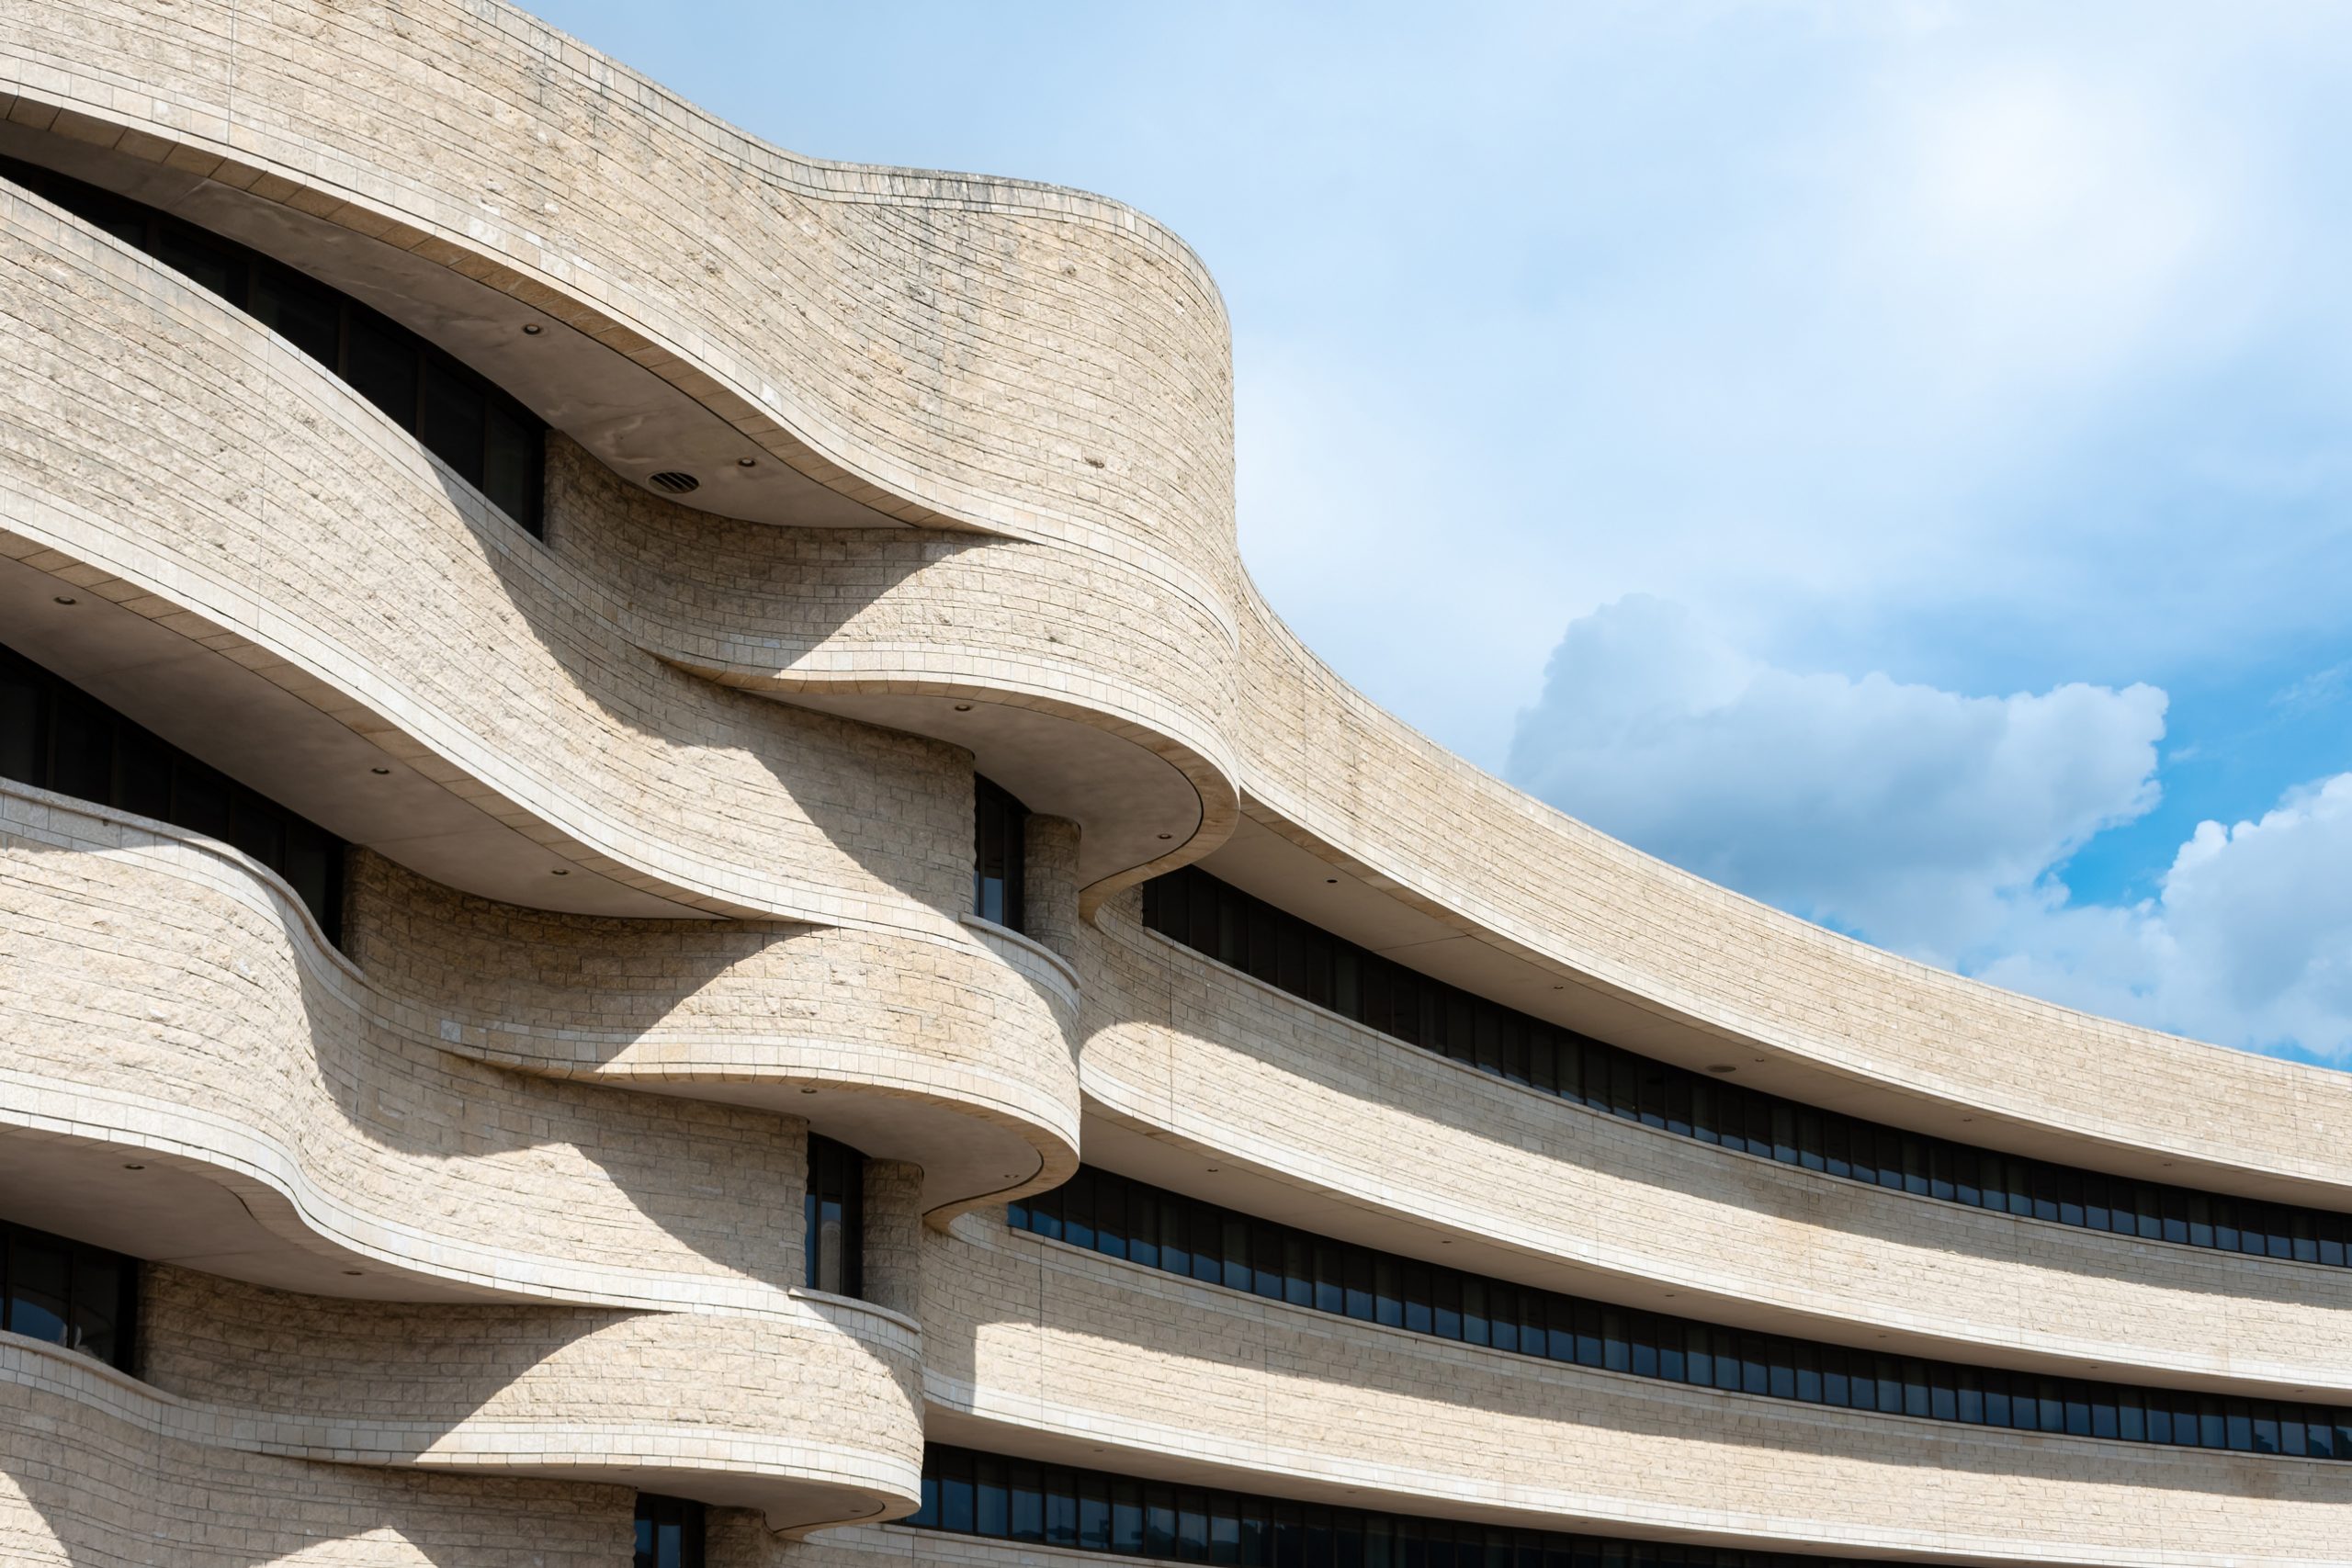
664 881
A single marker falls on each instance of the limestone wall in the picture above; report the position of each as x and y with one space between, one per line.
562 1151
1403 1140
1034 1344
98 1471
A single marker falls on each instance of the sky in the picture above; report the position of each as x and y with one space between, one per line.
1893 458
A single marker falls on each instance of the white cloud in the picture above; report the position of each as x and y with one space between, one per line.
1937 824
2248 941
1915 816
2263 911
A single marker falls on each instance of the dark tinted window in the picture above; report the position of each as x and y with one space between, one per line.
669 1532
54 736
494 444
456 405
1282 1263
194 256
307 314
834 1209
1296 957
513 447
63 1292
999 845
24 689
383 365
81 745
1093 1511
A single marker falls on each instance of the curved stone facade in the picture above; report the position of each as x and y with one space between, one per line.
1386 1142
1032 361
1037 1347
96 1469
811 1412
639 1118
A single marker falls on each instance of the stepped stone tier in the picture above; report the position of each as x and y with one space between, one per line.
665 898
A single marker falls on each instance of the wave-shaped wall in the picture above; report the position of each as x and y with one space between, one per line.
1657 950
665 828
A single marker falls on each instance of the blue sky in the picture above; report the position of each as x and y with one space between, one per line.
1895 458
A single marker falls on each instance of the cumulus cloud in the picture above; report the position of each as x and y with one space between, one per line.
1912 814
2248 940
1938 824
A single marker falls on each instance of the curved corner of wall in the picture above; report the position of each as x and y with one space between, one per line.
603 739
980 353
953 1055
1108 678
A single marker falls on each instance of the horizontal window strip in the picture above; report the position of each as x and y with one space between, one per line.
493 442
965 1493
1109 1213
1233 927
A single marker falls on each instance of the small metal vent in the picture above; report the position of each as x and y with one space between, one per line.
674 483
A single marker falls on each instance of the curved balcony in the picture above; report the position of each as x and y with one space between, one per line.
948 348
97 1468
956 1059
1398 1147
1060 378
1094 688
601 748
1070 1357
701 1405
194 1076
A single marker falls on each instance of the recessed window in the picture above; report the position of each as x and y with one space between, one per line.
1124 1218
55 736
1222 923
965 1493
63 1292
493 442
669 1532
999 846
835 1213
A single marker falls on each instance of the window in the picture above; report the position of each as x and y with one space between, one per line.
835 1205
55 736
1193 907
63 1292
494 442
1284 1263
669 1532
999 845
1095 1511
